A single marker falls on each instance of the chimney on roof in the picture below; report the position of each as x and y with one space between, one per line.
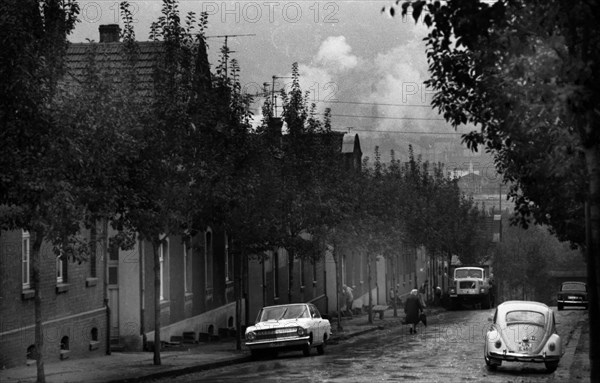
109 33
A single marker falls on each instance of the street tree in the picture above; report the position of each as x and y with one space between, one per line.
39 180
242 189
523 260
374 221
300 155
524 72
167 184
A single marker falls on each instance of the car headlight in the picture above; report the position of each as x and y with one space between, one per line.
552 346
482 290
452 291
251 335
301 331
498 344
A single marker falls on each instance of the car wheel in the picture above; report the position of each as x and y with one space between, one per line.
306 350
321 348
551 366
485 303
491 366
452 305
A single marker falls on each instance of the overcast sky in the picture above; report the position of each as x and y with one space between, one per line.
353 59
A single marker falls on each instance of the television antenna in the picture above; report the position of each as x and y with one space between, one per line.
225 49
273 98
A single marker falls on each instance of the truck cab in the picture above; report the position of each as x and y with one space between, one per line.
472 286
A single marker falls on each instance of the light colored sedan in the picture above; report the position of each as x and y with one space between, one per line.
523 331
297 326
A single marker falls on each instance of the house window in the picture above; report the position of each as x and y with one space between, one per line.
61 269
163 258
209 260
187 265
302 274
362 269
276 273
113 264
343 268
26 260
93 248
228 261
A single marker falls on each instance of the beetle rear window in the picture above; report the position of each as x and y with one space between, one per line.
525 317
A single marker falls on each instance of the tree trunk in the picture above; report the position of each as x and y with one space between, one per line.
338 287
39 332
593 264
237 272
155 246
105 283
264 282
369 289
393 258
290 275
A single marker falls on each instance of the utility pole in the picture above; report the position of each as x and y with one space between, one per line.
225 49
500 208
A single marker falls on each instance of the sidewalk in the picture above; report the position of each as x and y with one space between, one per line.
580 369
124 367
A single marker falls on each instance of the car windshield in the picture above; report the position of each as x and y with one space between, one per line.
468 273
533 317
573 287
283 312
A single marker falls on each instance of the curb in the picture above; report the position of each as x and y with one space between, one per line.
570 350
183 370
579 368
342 337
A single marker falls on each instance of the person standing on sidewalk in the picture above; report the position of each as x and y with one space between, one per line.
413 309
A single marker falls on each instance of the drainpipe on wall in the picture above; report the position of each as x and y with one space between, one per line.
325 287
105 258
142 293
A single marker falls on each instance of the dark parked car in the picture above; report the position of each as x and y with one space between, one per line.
572 294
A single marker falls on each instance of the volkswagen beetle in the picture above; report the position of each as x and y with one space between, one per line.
296 326
523 331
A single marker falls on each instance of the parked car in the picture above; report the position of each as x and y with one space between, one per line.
296 326
572 294
523 331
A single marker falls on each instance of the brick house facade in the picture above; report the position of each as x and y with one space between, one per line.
74 314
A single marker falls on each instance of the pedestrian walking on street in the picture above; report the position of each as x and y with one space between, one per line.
413 309
438 296
349 298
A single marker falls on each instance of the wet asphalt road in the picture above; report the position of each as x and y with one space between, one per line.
450 349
